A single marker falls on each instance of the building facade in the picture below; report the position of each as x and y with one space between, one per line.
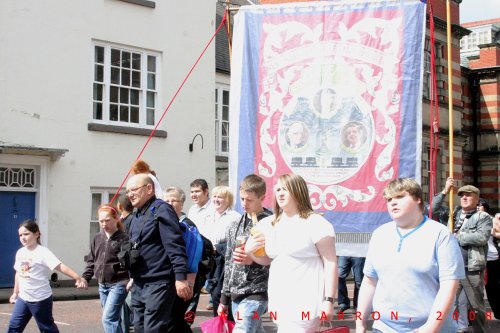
83 85
480 53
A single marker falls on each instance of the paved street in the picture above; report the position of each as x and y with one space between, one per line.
83 316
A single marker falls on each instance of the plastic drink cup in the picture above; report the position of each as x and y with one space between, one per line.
260 252
240 242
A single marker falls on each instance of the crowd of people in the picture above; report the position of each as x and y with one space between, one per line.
417 275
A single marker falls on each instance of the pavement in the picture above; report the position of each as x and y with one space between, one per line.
62 291
65 291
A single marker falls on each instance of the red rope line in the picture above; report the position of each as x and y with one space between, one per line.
433 114
170 103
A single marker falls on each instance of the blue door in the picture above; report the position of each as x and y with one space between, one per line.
15 207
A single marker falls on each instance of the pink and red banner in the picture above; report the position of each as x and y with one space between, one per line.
330 91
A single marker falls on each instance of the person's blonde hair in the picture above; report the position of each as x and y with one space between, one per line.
226 193
175 191
399 185
297 187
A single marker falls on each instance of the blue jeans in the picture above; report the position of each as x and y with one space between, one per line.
112 298
23 311
248 316
344 265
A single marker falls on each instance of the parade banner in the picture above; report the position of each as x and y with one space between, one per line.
331 91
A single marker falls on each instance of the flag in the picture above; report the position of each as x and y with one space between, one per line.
331 91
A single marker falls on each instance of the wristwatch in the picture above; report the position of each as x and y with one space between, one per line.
329 299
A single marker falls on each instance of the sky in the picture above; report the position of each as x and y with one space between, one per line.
477 10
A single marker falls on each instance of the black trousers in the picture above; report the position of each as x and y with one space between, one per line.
493 286
152 304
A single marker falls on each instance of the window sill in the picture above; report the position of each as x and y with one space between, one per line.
145 3
125 130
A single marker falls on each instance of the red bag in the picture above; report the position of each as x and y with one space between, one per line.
339 329
218 324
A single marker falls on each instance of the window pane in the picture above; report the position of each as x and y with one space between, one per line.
216 113
124 95
136 61
97 110
217 134
134 115
225 97
225 129
113 94
150 100
115 75
225 145
123 113
97 92
125 59
99 55
99 73
225 112
125 77
151 64
113 112
115 57
216 95
150 116
151 81
134 97
136 79
96 201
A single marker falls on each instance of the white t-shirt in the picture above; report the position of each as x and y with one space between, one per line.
214 226
296 277
198 214
409 279
33 269
492 251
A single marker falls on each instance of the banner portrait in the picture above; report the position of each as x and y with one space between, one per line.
331 91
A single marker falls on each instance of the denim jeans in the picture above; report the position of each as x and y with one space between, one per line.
23 311
473 285
344 266
248 315
112 298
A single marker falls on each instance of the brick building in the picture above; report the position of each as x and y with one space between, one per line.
480 58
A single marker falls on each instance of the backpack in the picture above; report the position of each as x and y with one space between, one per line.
194 246
208 257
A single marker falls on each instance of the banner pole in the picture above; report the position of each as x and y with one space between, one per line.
450 108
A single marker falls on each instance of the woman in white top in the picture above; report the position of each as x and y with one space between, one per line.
220 217
300 246
214 227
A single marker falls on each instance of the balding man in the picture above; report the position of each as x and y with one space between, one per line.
161 270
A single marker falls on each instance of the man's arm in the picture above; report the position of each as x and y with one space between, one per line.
437 200
481 235
365 298
175 247
441 307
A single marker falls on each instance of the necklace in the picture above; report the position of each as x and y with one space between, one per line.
402 237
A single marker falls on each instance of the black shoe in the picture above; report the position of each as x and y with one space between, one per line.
343 308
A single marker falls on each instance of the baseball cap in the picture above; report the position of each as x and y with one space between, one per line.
468 189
